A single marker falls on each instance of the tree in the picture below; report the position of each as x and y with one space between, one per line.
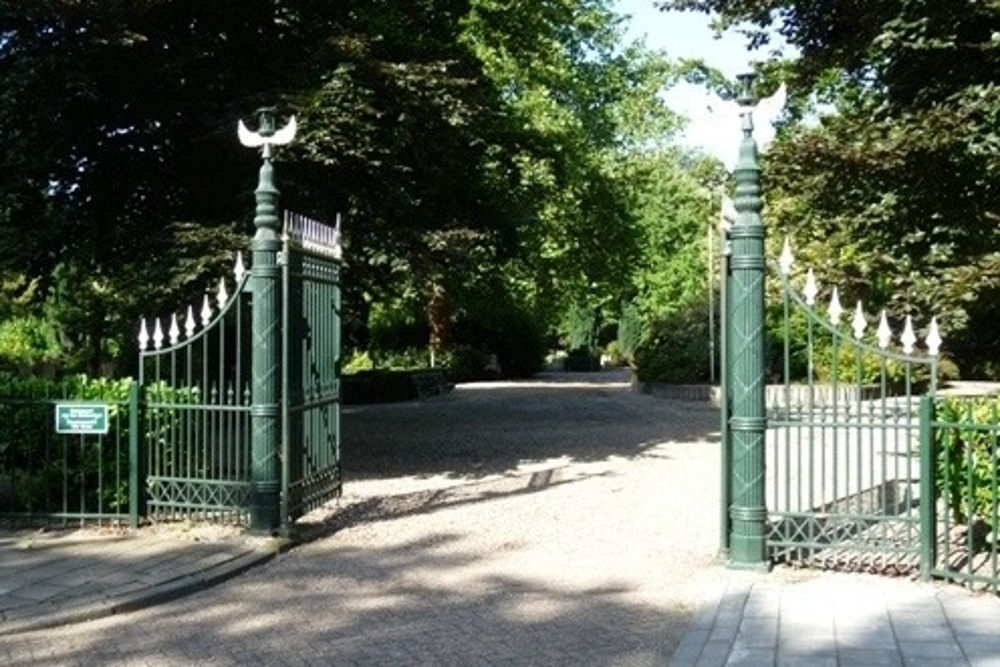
893 192
461 139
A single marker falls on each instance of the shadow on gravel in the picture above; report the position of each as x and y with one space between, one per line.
488 428
419 602
382 508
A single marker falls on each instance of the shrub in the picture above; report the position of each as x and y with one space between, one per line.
581 359
378 386
967 465
629 333
507 330
358 361
581 328
401 359
466 363
676 349
29 342
396 328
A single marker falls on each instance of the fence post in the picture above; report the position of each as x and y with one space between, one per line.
748 422
928 506
136 460
265 385
725 443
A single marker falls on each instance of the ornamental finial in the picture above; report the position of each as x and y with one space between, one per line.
266 134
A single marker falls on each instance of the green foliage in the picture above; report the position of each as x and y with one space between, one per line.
967 462
670 197
581 359
396 326
581 328
479 141
502 327
33 463
401 359
890 186
358 361
629 333
28 341
466 363
676 349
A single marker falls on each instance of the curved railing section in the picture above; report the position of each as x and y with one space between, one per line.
843 462
195 382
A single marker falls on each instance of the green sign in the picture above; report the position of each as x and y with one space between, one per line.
81 418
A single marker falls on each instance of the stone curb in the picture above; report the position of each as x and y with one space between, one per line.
154 594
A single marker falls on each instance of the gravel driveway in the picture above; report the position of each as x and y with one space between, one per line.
576 513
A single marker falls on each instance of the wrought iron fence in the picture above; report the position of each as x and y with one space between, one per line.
194 380
963 544
846 483
48 476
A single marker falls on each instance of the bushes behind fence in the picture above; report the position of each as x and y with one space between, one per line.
42 472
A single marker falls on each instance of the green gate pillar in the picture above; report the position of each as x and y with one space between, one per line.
745 377
265 385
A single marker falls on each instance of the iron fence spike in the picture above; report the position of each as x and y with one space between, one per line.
835 310
157 335
884 333
859 323
175 331
810 290
908 338
786 260
222 296
206 311
933 339
189 322
240 270
143 334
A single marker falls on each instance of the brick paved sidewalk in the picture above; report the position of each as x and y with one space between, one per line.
60 576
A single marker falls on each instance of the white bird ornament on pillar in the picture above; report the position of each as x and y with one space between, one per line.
729 114
267 136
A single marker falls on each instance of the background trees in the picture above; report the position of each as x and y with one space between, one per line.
489 157
891 187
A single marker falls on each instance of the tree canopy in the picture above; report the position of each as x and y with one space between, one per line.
471 145
893 184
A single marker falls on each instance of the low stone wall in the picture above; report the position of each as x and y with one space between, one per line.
774 394
701 393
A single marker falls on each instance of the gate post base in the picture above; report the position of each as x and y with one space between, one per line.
264 512
763 567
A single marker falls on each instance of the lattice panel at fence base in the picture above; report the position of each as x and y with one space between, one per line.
876 545
313 491
968 554
209 500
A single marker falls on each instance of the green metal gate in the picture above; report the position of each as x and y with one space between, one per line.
847 481
824 467
852 459
195 409
242 423
195 378
310 366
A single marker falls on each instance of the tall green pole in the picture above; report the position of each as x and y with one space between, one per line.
748 422
265 385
